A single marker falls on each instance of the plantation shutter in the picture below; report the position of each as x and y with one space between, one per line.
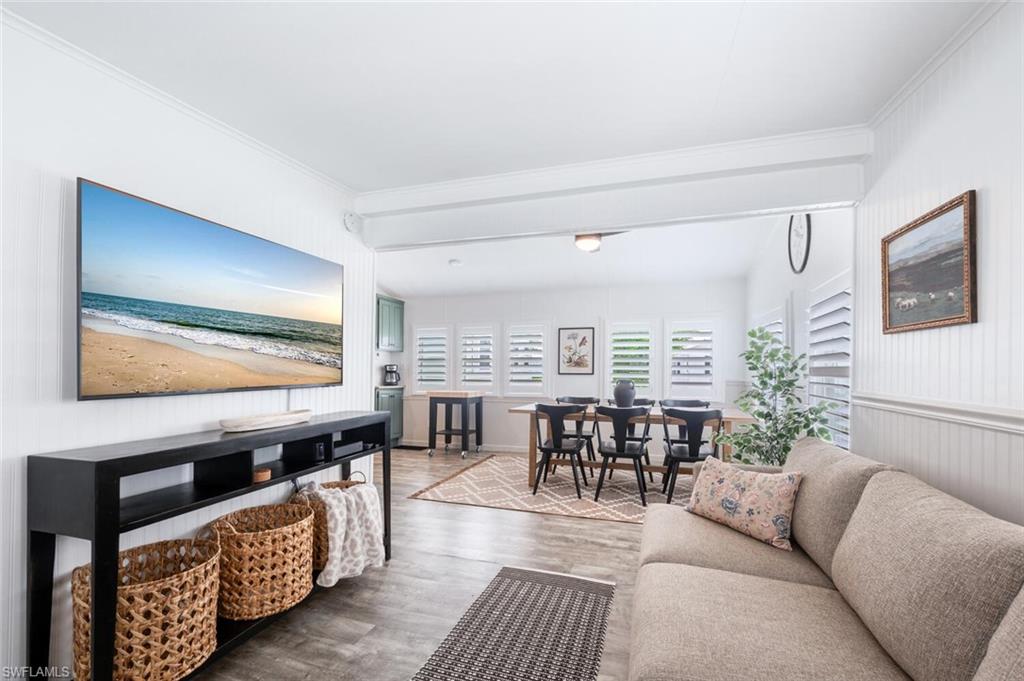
691 360
777 328
526 360
432 358
829 352
629 352
476 357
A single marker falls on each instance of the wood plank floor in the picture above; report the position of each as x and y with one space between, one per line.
384 625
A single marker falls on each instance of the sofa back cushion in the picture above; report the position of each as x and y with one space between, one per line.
1004 658
832 483
929 575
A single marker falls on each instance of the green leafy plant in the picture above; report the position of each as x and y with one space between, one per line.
772 399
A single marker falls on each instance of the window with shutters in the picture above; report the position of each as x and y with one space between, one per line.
525 359
476 357
691 359
777 328
629 356
431 358
830 323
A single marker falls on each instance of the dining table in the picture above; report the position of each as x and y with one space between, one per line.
731 417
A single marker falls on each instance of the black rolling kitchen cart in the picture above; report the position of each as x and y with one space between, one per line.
77 493
464 400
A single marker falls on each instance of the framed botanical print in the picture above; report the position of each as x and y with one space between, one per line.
576 350
928 277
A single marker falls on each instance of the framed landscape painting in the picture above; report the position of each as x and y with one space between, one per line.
576 350
928 277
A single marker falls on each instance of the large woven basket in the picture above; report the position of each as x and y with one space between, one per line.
166 622
321 540
266 559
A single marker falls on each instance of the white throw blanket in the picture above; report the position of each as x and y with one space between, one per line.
355 530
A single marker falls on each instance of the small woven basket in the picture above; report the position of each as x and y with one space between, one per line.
166 622
321 540
266 559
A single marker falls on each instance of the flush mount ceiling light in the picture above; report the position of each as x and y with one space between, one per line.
455 262
590 243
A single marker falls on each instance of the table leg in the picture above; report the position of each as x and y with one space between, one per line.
386 473
532 451
432 427
104 578
447 425
464 425
479 424
41 554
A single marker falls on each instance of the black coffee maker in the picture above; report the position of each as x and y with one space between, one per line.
391 375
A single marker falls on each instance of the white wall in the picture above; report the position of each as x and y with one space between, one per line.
723 301
773 288
948 404
66 116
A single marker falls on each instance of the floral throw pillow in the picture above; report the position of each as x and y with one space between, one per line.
756 504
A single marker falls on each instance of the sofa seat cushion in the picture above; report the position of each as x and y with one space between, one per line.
698 624
930 575
672 535
830 488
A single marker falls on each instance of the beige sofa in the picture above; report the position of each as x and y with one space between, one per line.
888 579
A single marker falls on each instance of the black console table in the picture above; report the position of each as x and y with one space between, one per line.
77 493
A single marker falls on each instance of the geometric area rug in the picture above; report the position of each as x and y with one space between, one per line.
527 625
499 481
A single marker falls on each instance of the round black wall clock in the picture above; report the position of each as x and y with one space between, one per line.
799 241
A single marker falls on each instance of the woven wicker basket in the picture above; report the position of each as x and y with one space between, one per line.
321 541
266 559
166 622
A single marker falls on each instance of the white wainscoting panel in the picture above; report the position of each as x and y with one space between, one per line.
66 115
959 129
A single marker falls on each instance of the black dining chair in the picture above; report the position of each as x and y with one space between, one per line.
581 430
691 451
560 443
631 435
620 447
681 439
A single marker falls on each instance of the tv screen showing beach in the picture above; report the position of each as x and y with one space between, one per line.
171 303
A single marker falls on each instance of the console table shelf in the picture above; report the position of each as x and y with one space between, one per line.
77 493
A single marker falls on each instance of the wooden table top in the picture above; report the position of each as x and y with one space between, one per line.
454 393
730 412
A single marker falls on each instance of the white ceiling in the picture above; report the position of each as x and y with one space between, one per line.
385 95
645 256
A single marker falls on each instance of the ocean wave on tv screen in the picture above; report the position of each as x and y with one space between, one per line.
295 339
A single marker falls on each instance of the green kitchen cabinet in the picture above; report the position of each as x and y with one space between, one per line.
390 324
390 399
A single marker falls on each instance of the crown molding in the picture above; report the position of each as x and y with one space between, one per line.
809 149
967 30
25 27
998 419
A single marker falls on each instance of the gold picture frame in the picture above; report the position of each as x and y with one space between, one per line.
928 271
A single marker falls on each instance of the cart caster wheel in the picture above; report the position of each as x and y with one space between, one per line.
478 449
464 452
446 448
430 453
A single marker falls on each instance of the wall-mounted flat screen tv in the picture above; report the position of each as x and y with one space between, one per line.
170 303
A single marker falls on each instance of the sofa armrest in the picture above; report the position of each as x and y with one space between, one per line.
744 466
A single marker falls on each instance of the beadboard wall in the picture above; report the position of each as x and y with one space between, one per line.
948 404
67 115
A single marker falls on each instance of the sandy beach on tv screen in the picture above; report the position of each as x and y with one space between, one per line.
117 361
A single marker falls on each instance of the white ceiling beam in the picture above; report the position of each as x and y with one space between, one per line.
822 147
779 190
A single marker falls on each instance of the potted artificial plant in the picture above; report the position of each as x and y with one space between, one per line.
772 399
